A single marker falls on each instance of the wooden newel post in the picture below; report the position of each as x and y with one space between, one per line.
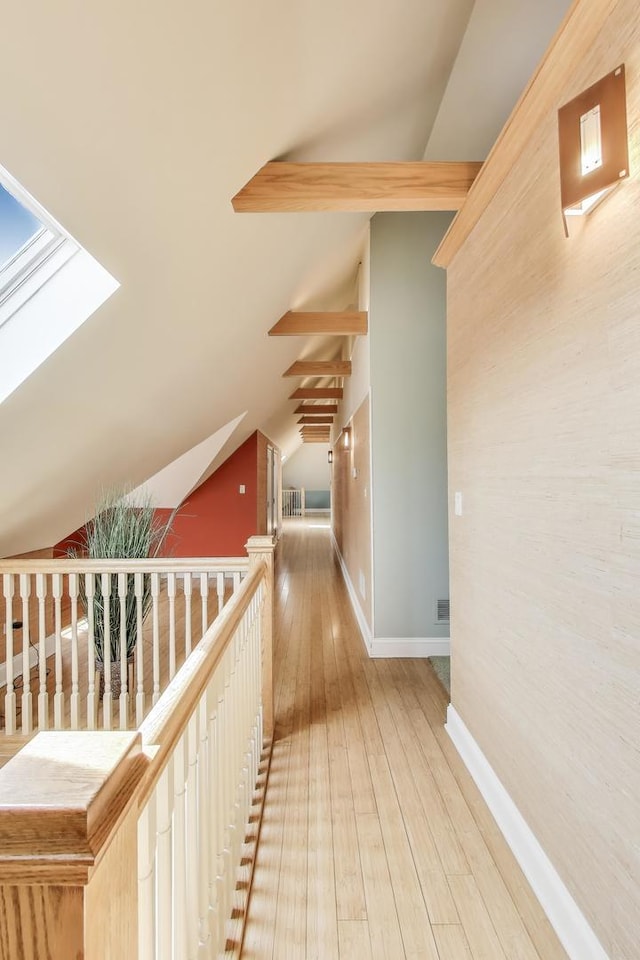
68 848
261 550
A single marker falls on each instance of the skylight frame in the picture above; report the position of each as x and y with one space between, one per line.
37 260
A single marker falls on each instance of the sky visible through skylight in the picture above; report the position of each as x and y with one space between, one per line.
17 225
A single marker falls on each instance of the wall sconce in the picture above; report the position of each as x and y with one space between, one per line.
594 154
330 456
347 437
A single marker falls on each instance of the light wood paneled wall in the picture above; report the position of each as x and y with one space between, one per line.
544 444
351 504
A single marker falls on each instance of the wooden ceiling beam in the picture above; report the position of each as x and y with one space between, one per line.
315 420
337 323
316 439
281 187
319 368
317 393
316 409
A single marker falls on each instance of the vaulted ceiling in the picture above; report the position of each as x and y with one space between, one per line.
134 124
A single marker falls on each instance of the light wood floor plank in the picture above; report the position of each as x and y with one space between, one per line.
451 942
348 871
444 835
353 940
490 882
419 818
476 922
322 921
410 905
341 845
291 911
384 927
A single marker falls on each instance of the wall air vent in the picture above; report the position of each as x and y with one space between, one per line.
442 611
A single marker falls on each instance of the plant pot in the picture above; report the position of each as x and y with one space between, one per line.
116 680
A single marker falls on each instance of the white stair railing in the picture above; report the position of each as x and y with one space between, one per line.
167 816
293 502
90 644
191 830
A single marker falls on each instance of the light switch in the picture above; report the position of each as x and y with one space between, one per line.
242 488
457 505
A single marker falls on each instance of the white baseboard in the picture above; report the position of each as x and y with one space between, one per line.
410 647
365 630
565 916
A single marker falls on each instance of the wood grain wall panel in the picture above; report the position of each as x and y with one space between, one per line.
351 504
544 444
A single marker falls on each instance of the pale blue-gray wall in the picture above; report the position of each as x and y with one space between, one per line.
407 329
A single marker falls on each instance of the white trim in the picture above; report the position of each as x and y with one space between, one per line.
565 916
353 596
410 647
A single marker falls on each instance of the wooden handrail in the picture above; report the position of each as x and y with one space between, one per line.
166 722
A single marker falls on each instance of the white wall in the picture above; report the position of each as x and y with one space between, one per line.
408 425
308 467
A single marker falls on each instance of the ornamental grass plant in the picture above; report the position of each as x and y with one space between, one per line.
125 527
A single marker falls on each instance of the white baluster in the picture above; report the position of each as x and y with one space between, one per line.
188 590
155 614
10 697
236 580
43 696
146 881
220 792
220 590
229 785
171 594
105 581
204 592
203 831
25 593
124 664
214 812
164 919
180 941
138 589
193 850
75 696
90 589
58 698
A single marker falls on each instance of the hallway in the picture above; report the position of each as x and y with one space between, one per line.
375 842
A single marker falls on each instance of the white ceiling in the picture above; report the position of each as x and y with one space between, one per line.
134 124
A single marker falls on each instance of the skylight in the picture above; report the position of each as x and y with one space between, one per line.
49 285
32 247
17 227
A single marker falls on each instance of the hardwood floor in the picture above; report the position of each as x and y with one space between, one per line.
375 842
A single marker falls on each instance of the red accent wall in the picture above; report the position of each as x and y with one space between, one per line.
75 540
217 520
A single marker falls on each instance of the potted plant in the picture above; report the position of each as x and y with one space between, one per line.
125 527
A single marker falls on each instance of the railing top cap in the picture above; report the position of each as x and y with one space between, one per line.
73 787
146 565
